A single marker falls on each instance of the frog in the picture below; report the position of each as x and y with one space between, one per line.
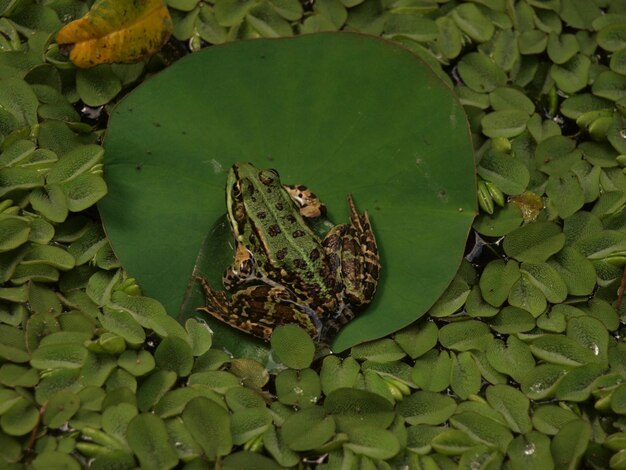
282 271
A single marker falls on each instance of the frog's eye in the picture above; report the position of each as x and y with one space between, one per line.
236 191
268 177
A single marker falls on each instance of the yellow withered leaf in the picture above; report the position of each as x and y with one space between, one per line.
117 31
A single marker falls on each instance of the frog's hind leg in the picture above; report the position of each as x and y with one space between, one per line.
218 305
258 309
359 261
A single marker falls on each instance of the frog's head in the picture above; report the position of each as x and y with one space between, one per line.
244 179
248 187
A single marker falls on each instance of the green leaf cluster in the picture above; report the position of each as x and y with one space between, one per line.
521 361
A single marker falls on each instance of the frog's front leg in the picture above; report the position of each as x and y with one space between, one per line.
259 309
353 247
241 270
310 205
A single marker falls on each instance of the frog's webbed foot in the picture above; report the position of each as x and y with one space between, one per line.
310 205
355 244
258 309
332 326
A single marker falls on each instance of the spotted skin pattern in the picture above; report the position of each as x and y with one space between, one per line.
282 272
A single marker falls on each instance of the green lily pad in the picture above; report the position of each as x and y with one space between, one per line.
612 37
451 441
591 333
512 405
480 73
510 98
581 225
417 340
248 424
534 242
514 358
218 380
565 194
186 446
137 363
604 312
200 335
579 14
497 279
610 85
483 429
61 408
464 335
55 459
542 381
501 222
384 350
508 173
570 443
512 320
575 106
618 400
336 373
209 424
276 446
251 372
481 456
547 280
13 375
238 105
532 42
248 459
241 398
558 349
307 429
531 450
505 123
503 48
372 442
70 356
98 85
562 48
147 437
548 419
464 375
476 306
20 418
577 384
450 40
174 354
472 22
432 371
526 295
18 98
293 347
124 325
451 300
573 75
353 407
576 271
424 407
298 387
616 441
154 387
